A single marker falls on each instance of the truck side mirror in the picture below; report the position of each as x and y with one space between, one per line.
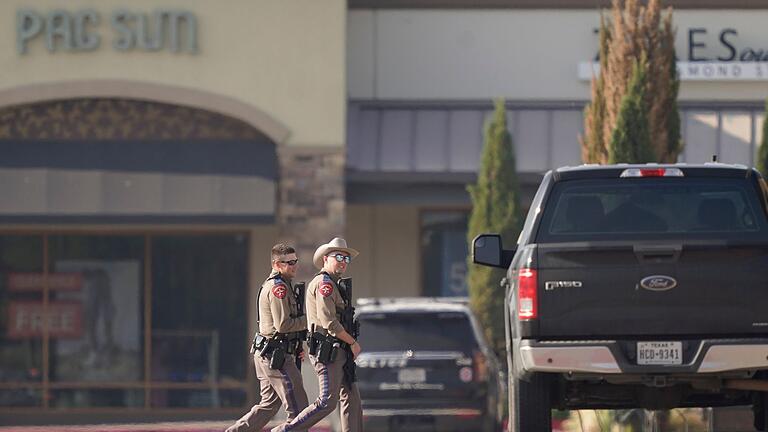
487 250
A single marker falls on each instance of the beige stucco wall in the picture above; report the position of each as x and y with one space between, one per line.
284 58
388 239
519 54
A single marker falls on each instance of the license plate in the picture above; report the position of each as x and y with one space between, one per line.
659 353
412 375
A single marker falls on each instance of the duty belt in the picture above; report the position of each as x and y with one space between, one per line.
324 346
289 342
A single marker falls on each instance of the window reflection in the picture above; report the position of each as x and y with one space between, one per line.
107 296
199 398
80 398
21 319
96 313
444 252
21 397
199 312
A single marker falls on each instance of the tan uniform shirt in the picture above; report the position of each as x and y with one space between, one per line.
278 310
324 305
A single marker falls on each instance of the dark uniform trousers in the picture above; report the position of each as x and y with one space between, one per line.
333 390
277 387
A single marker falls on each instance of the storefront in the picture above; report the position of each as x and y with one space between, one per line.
421 79
152 155
134 319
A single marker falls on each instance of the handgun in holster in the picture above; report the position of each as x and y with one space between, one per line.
277 359
274 349
327 351
312 341
324 347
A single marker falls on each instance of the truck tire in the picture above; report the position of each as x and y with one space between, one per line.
760 410
765 412
530 404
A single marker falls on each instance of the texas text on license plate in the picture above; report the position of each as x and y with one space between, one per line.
659 353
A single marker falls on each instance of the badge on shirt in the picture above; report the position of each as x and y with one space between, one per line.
326 289
279 290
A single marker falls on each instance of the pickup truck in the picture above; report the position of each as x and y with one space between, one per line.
637 286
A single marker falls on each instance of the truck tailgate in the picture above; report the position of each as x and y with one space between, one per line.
702 287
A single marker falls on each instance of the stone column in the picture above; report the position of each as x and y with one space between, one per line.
311 200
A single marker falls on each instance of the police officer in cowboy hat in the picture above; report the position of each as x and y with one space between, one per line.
281 324
324 307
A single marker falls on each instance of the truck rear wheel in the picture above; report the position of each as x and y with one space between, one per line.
760 409
530 407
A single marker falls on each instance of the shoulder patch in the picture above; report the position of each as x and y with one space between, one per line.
325 289
279 290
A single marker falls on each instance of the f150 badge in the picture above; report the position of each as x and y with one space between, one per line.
551 285
658 283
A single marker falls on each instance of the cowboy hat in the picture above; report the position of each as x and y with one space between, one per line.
337 244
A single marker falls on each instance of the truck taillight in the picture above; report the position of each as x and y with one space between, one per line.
652 172
527 298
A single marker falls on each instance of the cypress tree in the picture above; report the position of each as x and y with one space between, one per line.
635 32
762 152
496 209
668 109
631 140
592 148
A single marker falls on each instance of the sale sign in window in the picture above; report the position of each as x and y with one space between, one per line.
26 319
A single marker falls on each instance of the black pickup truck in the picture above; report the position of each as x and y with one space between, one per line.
637 286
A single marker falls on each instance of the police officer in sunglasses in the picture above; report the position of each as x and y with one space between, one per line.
325 304
282 327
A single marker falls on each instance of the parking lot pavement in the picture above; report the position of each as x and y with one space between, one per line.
216 426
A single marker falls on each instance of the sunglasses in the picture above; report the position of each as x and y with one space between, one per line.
289 262
341 258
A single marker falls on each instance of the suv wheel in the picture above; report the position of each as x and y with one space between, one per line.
530 404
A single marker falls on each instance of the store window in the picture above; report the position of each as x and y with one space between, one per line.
105 294
444 252
734 135
199 309
21 332
133 321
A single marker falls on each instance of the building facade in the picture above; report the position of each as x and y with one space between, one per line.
421 78
152 153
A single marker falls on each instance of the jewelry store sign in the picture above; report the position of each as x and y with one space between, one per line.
710 55
83 30
700 71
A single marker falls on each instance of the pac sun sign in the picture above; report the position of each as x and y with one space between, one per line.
61 30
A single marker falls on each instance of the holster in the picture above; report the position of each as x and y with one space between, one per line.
324 347
293 341
312 343
274 349
277 359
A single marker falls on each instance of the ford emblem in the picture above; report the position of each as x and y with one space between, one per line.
658 283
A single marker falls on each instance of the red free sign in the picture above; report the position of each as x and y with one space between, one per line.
25 320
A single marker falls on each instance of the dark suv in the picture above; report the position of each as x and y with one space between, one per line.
426 366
